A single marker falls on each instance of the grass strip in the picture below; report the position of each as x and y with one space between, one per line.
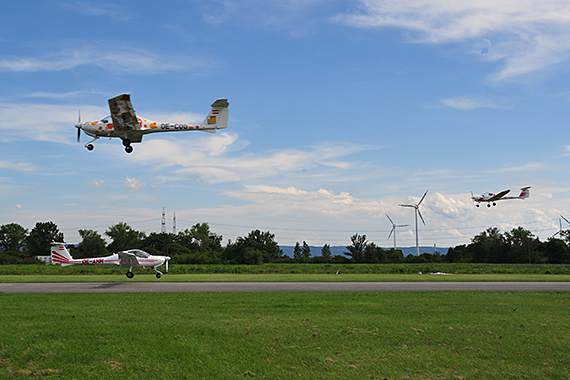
143 276
401 335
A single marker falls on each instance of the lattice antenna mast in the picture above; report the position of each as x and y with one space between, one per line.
163 222
174 223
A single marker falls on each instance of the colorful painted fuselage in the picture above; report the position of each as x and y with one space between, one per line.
105 127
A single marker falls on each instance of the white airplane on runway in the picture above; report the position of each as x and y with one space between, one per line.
491 198
126 125
132 258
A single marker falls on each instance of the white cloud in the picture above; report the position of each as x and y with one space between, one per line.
216 158
108 10
134 184
527 36
123 60
468 103
43 122
17 166
99 183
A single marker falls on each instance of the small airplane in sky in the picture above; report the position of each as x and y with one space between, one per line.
491 198
132 258
126 125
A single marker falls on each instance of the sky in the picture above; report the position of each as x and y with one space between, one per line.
339 112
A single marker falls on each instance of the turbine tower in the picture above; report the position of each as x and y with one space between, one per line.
416 207
394 226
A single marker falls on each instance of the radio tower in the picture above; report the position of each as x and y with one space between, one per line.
174 223
163 222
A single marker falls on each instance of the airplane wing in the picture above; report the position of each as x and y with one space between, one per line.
496 197
128 259
123 114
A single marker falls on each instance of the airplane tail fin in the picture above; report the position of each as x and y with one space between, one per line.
60 254
218 116
525 192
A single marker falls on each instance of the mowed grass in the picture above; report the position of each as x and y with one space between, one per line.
354 335
145 276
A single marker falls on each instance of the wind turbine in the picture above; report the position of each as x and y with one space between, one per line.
394 226
560 221
417 208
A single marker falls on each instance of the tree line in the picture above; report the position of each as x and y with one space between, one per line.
199 245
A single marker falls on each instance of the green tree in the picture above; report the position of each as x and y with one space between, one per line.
124 237
92 245
356 250
306 250
521 245
326 251
489 246
249 249
297 251
40 238
373 254
207 241
12 237
557 251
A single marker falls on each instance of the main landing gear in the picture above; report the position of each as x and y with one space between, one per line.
130 274
127 144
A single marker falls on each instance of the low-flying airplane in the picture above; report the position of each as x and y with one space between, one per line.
132 258
126 125
491 198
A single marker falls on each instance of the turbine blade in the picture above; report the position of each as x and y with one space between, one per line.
565 219
393 228
407 206
389 219
421 200
421 217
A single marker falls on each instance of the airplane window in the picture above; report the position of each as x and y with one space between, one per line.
107 119
139 253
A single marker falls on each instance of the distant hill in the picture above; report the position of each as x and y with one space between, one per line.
339 250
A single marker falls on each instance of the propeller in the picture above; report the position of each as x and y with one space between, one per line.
78 126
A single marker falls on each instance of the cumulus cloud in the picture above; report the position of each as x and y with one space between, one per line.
219 158
527 36
134 184
99 183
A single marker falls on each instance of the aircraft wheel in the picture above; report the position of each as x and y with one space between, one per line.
89 147
494 204
130 275
126 142
488 205
477 205
158 275
128 149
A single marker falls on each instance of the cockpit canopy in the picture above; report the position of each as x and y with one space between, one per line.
139 253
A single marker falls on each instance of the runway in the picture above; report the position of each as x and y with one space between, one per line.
172 287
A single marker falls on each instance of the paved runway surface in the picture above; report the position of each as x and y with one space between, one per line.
128 287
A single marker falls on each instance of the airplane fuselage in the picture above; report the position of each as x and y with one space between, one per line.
150 261
105 127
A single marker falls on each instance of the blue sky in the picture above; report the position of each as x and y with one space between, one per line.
339 111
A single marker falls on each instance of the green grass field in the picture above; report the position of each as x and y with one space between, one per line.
145 276
385 335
